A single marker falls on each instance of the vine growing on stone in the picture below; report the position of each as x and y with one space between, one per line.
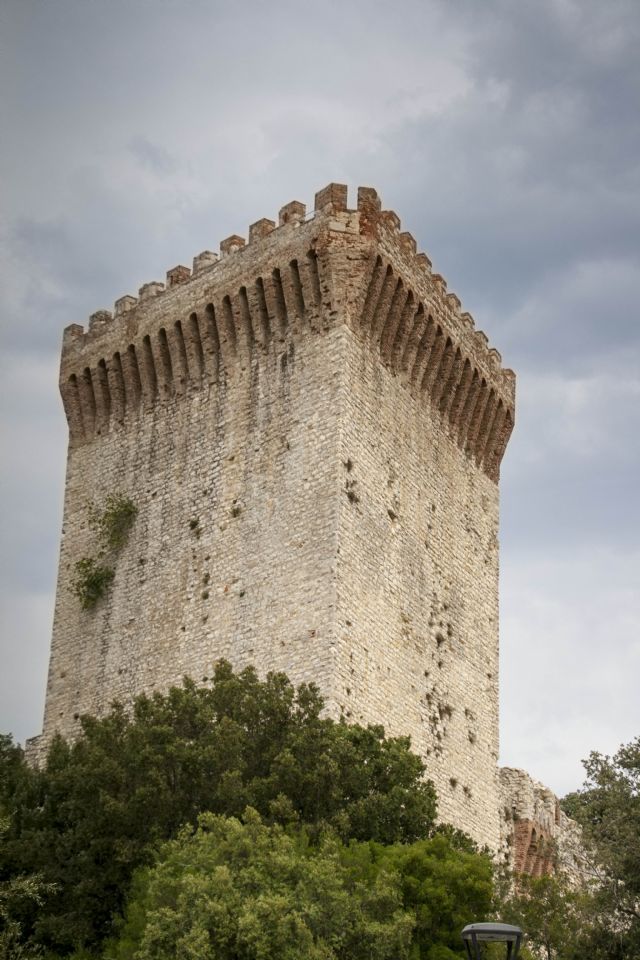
112 523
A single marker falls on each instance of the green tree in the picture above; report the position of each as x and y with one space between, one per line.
14 894
551 911
101 806
233 889
608 809
445 884
251 890
11 773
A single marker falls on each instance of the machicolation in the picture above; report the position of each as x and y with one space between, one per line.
407 315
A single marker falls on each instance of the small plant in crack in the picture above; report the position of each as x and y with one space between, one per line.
112 522
91 581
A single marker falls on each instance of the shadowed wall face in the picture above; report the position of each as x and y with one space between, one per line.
419 613
311 431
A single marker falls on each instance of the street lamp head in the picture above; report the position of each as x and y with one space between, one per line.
475 934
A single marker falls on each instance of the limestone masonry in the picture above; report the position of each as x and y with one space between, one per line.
311 430
537 836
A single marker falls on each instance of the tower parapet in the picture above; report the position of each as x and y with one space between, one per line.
199 325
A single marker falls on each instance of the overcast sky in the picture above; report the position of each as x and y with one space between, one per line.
506 135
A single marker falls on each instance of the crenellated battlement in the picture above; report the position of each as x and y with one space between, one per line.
309 273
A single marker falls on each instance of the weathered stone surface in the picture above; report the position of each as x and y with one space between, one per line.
537 837
312 433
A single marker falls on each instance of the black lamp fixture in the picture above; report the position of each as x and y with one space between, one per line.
475 934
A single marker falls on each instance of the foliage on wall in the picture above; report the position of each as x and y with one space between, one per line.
112 524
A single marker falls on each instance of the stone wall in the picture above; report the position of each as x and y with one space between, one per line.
537 837
311 430
237 505
418 614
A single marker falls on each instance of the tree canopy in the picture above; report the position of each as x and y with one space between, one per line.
235 818
234 889
552 911
100 806
608 809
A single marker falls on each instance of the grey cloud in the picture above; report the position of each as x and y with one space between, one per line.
580 320
570 473
569 659
537 165
151 155
23 678
32 474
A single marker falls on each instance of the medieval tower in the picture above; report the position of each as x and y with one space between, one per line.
311 432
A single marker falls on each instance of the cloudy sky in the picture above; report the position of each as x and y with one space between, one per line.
506 134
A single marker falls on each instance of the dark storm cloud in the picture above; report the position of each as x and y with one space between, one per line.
506 135
538 165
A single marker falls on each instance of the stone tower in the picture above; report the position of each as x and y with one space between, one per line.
311 431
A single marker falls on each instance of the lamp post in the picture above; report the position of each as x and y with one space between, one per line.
475 934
